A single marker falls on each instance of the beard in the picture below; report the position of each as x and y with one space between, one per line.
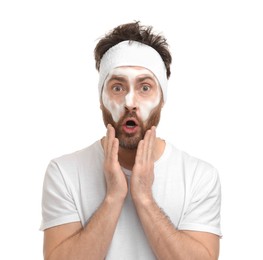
131 140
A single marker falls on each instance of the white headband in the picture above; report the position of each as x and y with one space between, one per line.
132 53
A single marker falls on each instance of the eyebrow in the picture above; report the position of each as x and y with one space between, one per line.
118 78
139 79
142 78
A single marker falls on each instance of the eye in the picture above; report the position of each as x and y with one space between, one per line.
145 88
117 88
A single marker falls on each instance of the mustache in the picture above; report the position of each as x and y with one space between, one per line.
130 114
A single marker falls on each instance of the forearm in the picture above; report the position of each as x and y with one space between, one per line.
166 241
92 242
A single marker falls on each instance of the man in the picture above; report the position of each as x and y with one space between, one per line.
131 195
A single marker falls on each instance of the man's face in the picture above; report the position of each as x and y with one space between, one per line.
131 102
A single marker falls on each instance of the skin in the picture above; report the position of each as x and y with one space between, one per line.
129 92
72 241
123 87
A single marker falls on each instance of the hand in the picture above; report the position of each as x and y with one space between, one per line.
143 170
115 178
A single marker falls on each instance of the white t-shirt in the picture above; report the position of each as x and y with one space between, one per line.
186 188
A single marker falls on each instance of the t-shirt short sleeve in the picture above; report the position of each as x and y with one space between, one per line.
58 205
203 210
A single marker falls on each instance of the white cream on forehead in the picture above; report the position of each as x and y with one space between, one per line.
144 106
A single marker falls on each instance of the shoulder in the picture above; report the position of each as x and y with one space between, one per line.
68 169
76 163
80 156
195 168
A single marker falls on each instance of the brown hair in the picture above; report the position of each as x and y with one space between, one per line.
134 32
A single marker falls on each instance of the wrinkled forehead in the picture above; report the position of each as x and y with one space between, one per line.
131 73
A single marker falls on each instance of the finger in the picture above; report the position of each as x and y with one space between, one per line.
110 137
139 153
146 144
109 141
113 147
114 150
105 142
151 143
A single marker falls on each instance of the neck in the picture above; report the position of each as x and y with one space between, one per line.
127 156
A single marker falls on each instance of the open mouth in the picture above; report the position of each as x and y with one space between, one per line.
130 124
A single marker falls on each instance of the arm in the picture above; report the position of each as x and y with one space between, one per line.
169 243
166 241
71 241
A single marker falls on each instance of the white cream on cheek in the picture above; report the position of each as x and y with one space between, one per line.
116 109
144 106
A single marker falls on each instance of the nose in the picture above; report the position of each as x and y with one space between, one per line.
130 102
130 106
130 109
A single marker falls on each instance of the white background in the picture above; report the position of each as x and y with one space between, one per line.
49 102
